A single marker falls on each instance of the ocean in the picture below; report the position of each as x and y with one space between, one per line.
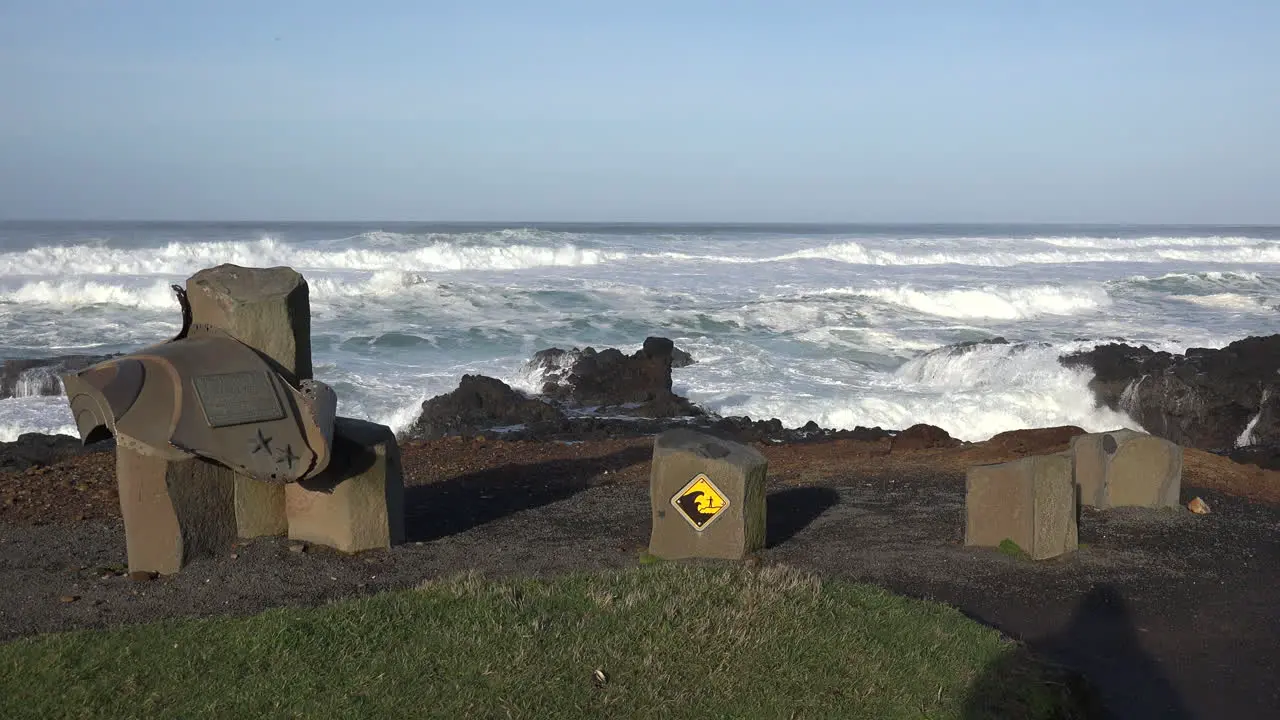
839 324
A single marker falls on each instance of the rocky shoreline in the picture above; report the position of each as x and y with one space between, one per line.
1223 401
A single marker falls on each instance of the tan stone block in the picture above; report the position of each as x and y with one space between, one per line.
707 497
173 510
259 508
1031 501
267 309
1127 468
358 502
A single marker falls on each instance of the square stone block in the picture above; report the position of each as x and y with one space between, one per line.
357 503
259 508
1127 468
707 496
173 510
1031 501
267 309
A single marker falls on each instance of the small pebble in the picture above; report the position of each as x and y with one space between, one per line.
297 548
69 598
235 555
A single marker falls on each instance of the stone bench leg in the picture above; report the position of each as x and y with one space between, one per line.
358 502
173 510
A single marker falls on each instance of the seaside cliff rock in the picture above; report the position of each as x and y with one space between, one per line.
480 403
40 450
635 390
1208 399
39 376
923 437
637 385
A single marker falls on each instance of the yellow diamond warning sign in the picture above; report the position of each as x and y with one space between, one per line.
700 502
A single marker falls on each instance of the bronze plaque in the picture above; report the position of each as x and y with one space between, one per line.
237 398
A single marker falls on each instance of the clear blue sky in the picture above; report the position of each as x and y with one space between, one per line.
954 110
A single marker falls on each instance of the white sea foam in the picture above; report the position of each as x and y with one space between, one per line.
860 253
1148 242
973 395
994 302
856 254
1246 436
80 293
43 414
186 258
1228 301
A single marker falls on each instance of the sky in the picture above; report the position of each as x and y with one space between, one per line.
1161 111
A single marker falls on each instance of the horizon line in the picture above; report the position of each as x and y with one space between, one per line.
691 223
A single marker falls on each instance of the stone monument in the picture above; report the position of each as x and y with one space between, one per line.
214 424
708 497
1031 502
1127 468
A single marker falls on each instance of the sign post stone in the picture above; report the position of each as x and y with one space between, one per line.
707 496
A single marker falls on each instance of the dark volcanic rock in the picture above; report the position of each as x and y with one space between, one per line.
481 403
39 376
637 384
1203 399
964 347
923 437
680 358
1266 457
745 430
38 450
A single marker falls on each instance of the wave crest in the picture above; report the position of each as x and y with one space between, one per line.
1016 303
187 258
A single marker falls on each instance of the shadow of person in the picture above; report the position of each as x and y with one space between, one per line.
789 511
447 507
1098 670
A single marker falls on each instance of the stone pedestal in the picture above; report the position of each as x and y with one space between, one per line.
173 510
707 496
269 310
357 503
1031 501
1127 468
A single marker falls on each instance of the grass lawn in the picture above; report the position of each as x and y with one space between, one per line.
672 641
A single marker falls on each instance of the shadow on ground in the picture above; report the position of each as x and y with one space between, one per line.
1100 640
452 506
789 511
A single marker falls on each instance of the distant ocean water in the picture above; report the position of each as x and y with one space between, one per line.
834 324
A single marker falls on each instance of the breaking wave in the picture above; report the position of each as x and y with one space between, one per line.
992 302
80 293
859 253
187 258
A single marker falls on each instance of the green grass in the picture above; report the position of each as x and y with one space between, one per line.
673 640
1012 549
